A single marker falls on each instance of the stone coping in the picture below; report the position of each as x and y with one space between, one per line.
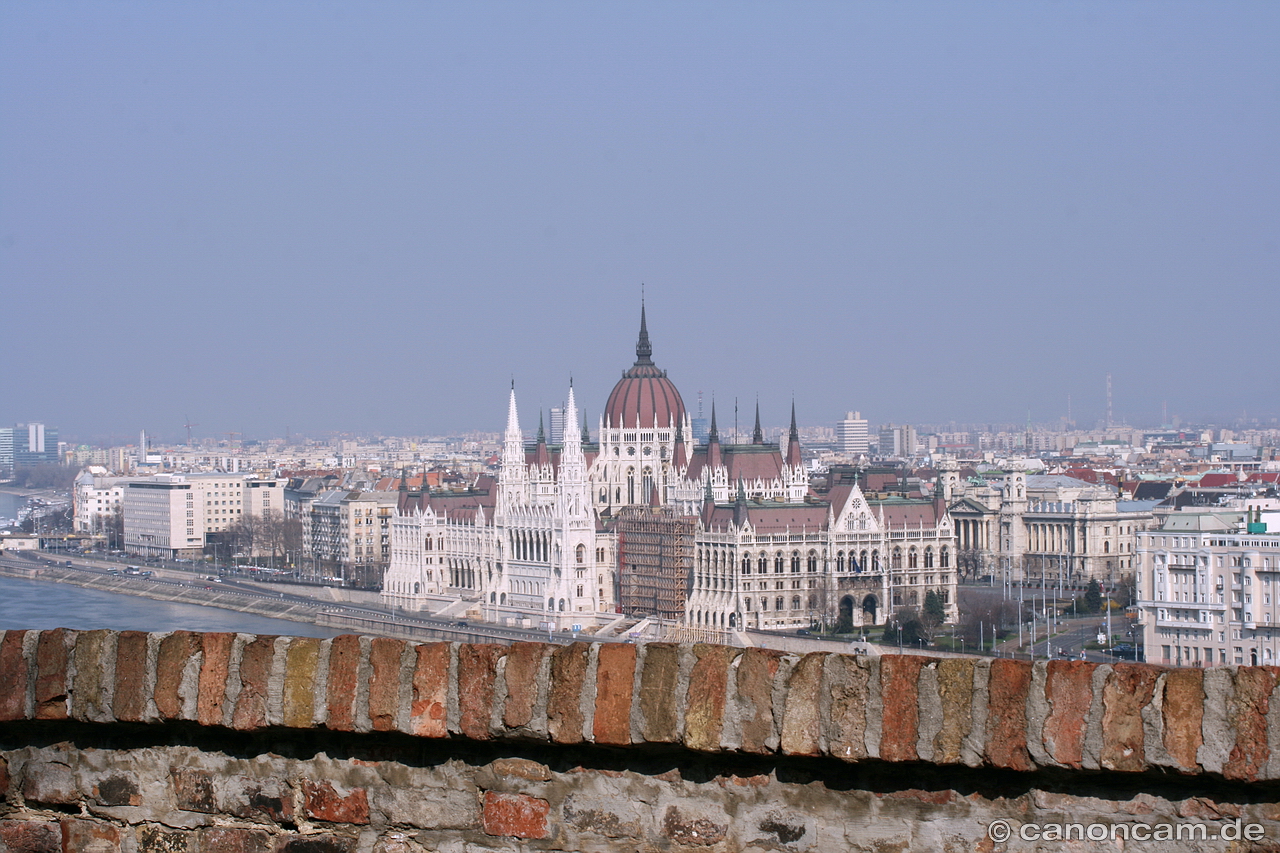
965 712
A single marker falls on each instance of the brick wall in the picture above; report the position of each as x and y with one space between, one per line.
231 742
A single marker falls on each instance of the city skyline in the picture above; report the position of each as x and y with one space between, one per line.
260 219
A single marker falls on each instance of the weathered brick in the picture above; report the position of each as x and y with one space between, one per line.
212 695
692 830
13 668
90 694
615 683
704 711
1183 715
477 676
801 717
4 779
899 689
564 696
1007 689
255 674
221 839
117 791
344 676
315 844
176 651
755 693
255 798
1248 715
521 768
1069 691
429 708
658 697
384 683
1125 694
847 683
955 692
301 666
84 836
129 702
20 836
51 675
193 790
515 815
321 802
47 780
153 838
524 664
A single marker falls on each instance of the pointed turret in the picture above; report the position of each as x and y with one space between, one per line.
644 350
679 457
713 443
586 431
541 455
757 435
793 440
740 505
404 481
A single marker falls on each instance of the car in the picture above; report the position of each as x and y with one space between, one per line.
67 564
461 623
804 632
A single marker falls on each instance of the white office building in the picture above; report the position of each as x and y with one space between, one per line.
852 436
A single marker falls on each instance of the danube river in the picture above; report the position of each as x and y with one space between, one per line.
32 604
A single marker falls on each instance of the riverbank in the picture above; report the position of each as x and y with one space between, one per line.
258 604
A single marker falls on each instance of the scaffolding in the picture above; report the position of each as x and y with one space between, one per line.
655 561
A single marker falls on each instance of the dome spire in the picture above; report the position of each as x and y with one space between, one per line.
644 350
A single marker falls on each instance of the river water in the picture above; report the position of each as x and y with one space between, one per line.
32 604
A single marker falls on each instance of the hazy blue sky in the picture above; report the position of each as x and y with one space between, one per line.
370 216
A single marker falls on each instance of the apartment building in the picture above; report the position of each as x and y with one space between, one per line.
351 534
1207 584
177 515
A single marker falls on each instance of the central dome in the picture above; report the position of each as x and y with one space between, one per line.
644 397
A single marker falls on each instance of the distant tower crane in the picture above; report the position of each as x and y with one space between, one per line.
188 425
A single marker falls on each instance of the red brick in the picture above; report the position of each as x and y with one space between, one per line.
82 836
615 682
20 836
1248 715
899 688
315 844
13 669
428 710
51 675
384 683
755 690
802 717
344 675
1183 714
704 712
515 815
321 802
129 703
564 696
212 695
1007 714
255 673
1069 690
176 651
1127 692
477 675
228 840
524 664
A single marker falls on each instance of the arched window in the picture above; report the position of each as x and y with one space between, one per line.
562 605
762 565
778 603
928 558
746 564
764 604
944 558
795 602
580 553
631 485
840 562
913 559
813 561
795 561
778 563
875 560
897 558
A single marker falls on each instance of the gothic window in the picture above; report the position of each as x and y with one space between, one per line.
762 565
896 558
840 562
928 558
580 553
813 561
746 564
778 562
913 561
631 485
778 603
764 604
944 559
795 602
795 561
875 560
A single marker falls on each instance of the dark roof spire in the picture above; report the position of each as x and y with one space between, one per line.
644 350
757 435
542 433
713 434
586 433
794 435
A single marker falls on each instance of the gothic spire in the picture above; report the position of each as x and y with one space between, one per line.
586 431
795 433
542 433
793 440
757 435
713 434
644 350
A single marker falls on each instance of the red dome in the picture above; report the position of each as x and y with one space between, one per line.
644 397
